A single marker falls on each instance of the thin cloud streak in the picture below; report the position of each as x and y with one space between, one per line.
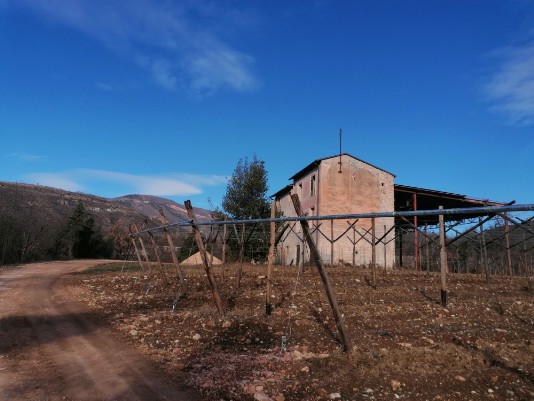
27 157
168 185
171 40
56 181
511 87
103 86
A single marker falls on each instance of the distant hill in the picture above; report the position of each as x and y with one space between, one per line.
149 206
34 217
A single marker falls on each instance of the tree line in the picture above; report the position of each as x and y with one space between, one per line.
27 236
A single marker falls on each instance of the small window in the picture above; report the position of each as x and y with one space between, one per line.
312 186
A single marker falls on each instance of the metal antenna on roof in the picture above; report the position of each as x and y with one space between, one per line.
340 133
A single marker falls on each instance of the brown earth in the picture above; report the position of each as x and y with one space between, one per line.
406 346
53 347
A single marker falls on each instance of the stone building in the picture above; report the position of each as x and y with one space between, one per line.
341 184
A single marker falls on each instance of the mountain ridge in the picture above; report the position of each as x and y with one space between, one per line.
17 195
35 219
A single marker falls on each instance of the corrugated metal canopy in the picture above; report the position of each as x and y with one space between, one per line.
413 198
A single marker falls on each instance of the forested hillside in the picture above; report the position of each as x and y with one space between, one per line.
44 223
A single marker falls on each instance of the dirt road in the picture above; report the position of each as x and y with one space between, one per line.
53 348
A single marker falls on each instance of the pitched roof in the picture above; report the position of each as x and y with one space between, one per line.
283 191
317 162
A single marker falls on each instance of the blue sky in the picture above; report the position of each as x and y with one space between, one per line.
114 97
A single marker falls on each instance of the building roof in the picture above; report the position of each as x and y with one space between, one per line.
317 162
425 199
429 199
287 189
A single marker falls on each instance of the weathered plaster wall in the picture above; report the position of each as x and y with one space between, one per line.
359 188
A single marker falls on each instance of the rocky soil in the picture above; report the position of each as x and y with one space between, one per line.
405 345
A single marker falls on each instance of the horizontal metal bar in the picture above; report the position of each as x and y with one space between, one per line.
482 210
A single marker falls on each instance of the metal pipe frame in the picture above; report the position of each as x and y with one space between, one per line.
483 211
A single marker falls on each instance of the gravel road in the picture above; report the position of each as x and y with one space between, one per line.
53 348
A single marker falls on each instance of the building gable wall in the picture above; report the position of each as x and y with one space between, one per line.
359 188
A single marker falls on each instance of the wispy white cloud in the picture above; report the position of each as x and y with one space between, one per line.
27 157
118 183
162 71
220 67
56 181
511 87
176 42
103 86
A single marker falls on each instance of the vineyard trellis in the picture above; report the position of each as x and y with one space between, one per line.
451 249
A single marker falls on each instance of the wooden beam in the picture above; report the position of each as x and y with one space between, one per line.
338 317
183 282
373 249
136 249
272 239
443 260
202 251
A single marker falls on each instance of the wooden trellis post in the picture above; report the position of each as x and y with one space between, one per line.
373 249
143 249
183 282
156 252
202 250
385 247
338 317
241 255
427 249
484 250
224 239
332 243
507 237
353 248
136 249
272 232
443 260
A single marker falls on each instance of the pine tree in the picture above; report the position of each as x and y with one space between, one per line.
246 192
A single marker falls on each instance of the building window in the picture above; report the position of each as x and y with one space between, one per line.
312 186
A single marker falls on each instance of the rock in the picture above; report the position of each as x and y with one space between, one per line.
335 396
226 324
196 337
460 378
297 355
280 397
261 396
251 389
395 385
305 369
133 333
